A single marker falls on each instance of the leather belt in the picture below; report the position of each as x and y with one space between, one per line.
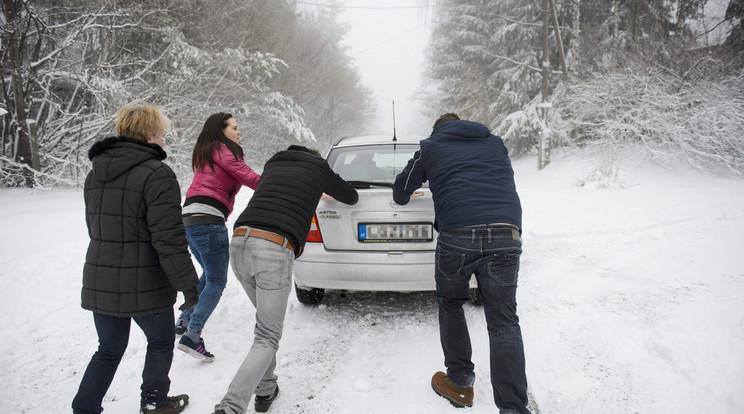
496 224
272 237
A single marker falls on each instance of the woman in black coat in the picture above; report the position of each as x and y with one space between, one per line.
137 259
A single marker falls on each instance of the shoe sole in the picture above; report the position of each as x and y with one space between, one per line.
195 354
450 399
262 412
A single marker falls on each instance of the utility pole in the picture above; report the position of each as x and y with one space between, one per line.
543 150
548 12
558 38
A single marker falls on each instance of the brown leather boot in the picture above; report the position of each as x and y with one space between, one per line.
459 397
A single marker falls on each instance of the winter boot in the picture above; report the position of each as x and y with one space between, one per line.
263 403
457 396
172 405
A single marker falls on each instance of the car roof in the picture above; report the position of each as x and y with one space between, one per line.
376 139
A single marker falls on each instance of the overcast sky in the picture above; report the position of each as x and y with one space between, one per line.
387 40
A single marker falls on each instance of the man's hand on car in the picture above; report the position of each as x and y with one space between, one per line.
416 194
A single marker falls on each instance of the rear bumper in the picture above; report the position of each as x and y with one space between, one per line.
364 271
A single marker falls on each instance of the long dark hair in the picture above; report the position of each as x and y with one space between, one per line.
211 137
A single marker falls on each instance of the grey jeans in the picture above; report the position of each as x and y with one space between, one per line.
265 271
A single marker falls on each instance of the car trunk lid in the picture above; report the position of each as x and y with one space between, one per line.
386 226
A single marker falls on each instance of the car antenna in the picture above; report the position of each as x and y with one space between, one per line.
394 138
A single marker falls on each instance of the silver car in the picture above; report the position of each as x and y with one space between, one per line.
376 244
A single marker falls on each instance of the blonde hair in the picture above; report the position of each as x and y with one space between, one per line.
140 122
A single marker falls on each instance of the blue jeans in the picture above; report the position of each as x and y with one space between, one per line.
492 253
210 246
113 337
264 269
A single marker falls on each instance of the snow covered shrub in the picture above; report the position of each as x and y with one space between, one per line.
664 115
520 131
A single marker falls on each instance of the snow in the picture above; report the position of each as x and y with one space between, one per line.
631 300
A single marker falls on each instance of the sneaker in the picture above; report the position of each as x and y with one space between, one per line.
457 396
172 405
263 402
195 349
181 326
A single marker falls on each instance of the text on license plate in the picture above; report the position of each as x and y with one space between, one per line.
398 232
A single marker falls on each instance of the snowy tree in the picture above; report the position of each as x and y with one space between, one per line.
55 60
317 74
486 58
734 44
639 76
70 65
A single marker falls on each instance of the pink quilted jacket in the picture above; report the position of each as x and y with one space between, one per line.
225 181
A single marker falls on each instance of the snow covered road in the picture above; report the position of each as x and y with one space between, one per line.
631 300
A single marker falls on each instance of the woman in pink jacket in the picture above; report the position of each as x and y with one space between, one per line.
220 172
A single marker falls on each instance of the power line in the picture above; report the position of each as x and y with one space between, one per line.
376 7
388 40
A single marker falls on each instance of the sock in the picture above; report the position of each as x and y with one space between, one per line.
194 336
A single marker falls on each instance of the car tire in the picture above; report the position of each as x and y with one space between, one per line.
475 298
309 296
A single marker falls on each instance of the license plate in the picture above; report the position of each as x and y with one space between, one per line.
398 232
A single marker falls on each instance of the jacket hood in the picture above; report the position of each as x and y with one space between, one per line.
114 155
465 129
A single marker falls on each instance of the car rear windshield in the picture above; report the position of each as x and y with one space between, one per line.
371 163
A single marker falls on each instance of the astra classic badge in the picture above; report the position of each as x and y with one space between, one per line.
329 214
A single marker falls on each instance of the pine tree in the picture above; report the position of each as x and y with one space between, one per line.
485 59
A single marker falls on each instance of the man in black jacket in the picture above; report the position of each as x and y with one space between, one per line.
478 216
137 258
269 235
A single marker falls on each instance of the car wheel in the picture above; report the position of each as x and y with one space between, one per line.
475 298
309 296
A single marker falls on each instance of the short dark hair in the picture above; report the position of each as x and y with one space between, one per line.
450 116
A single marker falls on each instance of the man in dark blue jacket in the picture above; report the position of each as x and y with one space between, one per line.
479 217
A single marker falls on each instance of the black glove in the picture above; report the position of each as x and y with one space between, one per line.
191 298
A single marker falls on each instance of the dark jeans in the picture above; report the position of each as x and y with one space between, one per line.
492 254
113 337
211 247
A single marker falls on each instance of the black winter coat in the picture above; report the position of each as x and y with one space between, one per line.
138 256
291 185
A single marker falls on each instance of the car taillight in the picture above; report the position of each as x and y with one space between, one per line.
314 236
